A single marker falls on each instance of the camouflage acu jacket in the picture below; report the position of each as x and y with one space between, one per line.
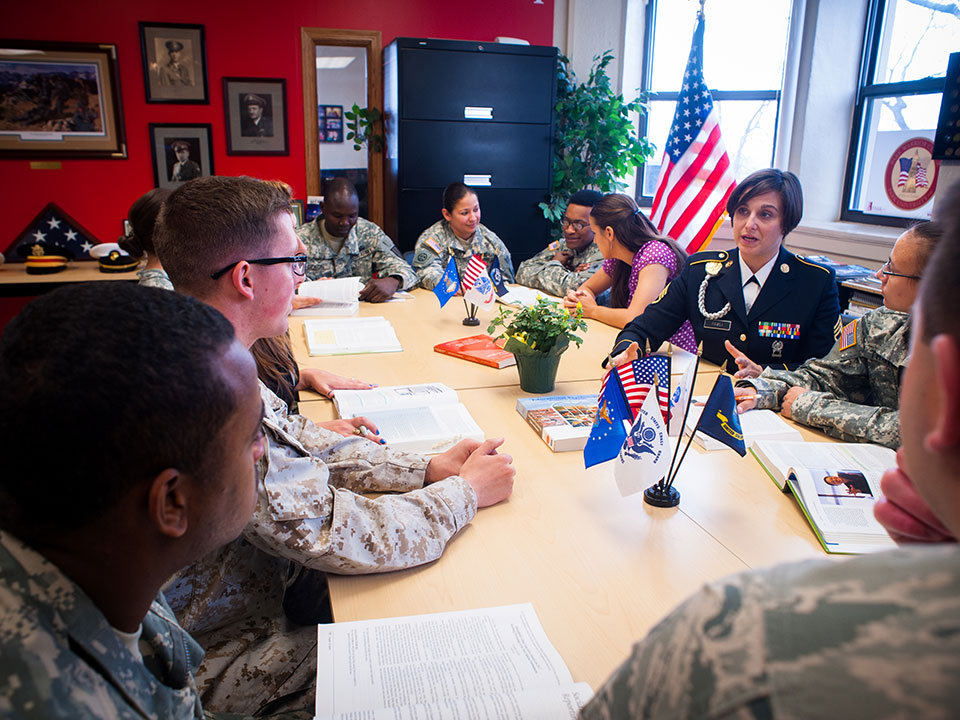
60 658
873 637
853 391
438 242
310 512
544 273
366 250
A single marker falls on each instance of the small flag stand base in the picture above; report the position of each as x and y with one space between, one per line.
659 496
471 321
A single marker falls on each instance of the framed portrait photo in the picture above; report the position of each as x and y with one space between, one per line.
256 116
60 100
180 152
174 63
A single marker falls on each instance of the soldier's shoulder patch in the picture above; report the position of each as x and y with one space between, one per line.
708 256
554 246
433 245
848 335
423 257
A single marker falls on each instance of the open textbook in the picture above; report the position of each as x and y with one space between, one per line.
522 296
426 418
756 425
350 336
490 664
339 296
836 485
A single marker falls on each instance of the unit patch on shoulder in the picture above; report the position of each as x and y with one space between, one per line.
848 335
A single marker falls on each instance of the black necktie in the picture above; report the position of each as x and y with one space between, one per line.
751 289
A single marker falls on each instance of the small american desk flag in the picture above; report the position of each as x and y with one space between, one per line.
472 271
695 176
637 379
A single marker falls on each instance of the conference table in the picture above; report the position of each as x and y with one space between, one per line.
599 569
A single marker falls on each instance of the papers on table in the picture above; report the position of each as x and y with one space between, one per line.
519 295
756 425
350 336
339 296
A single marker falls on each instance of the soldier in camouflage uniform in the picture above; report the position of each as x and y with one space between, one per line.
91 531
339 243
873 637
567 263
461 235
310 508
852 393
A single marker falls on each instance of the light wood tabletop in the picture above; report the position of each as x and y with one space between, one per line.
16 274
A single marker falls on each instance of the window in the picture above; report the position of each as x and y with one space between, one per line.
746 92
890 176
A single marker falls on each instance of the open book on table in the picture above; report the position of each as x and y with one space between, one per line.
756 425
836 485
350 336
426 418
490 664
522 296
339 295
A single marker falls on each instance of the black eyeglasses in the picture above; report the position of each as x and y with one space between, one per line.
299 264
577 225
885 269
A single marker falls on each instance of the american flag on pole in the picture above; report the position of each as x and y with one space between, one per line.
695 176
637 379
472 271
921 176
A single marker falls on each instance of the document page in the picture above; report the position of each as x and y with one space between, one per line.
339 296
350 336
430 429
859 456
350 403
415 661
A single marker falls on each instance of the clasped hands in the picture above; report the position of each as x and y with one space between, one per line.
488 472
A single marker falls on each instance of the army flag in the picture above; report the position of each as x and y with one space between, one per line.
645 455
695 175
719 418
610 426
449 283
54 227
496 277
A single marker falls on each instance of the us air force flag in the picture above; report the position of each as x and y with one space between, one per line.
645 456
610 426
496 277
481 293
719 418
449 283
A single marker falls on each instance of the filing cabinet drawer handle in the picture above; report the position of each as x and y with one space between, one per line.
477 113
478 180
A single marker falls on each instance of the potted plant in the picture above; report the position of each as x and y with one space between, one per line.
537 335
595 139
363 125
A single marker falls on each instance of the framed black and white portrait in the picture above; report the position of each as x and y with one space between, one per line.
256 116
180 152
174 63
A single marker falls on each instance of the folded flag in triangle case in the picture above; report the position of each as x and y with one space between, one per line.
54 227
449 283
719 418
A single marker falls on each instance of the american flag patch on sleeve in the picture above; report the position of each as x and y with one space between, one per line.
433 245
848 335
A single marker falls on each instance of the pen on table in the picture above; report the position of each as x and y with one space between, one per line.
362 430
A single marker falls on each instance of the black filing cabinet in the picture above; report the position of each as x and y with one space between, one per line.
481 113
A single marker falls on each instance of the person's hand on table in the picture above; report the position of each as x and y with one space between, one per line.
748 368
904 514
786 405
354 426
302 301
489 473
327 383
380 289
746 398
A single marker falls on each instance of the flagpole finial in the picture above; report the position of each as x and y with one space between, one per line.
700 349
723 368
701 6
647 348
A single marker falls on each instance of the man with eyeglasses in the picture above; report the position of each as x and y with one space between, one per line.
230 242
567 263
853 392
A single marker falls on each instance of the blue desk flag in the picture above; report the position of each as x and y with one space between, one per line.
608 432
449 283
496 276
719 418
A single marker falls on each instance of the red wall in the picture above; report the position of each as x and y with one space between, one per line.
243 39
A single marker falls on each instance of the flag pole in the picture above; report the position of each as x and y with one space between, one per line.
658 494
686 410
723 369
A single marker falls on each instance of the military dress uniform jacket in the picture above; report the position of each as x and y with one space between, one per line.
438 242
872 637
367 249
796 315
60 658
544 273
309 511
853 393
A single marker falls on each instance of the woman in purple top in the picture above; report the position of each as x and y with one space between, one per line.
639 263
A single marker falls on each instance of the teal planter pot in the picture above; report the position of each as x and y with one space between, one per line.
537 370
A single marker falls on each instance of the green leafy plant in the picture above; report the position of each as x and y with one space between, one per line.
363 125
595 140
541 326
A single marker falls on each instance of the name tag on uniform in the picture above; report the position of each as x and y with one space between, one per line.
786 331
723 325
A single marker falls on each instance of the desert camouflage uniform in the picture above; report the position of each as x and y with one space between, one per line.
309 511
430 264
544 273
873 637
366 249
59 657
853 393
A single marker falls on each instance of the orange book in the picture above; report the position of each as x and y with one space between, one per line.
479 349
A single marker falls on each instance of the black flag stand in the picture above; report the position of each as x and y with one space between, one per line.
658 494
471 320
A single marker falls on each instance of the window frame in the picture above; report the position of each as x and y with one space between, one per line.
867 91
